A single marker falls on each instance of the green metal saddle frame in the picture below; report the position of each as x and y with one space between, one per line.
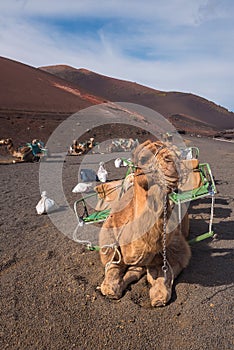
87 217
207 189
97 216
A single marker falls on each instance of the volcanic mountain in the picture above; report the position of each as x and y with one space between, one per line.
184 110
29 89
33 102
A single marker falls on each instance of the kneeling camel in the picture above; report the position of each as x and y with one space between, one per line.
142 233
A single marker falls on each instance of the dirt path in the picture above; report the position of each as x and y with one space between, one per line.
49 296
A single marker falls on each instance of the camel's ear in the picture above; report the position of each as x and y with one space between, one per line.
139 149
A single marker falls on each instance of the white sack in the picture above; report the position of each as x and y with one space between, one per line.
102 173
45 204
82 187
118 162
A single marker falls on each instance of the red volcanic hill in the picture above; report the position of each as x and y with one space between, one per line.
184 110
30 89
33 102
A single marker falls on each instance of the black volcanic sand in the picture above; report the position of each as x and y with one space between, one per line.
49 296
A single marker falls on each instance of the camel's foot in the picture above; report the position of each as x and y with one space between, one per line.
112 286
160 292
112 289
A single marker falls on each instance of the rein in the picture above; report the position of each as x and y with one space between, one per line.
158 151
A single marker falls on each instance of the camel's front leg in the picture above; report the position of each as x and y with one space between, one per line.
178 255
117 279
112 286
161 287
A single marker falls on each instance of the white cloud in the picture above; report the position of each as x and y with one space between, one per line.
174 11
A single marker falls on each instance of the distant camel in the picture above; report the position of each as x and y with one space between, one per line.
79 148
24 153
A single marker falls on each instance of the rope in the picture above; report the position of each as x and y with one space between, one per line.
164 252
211 211
210 233
111 261
158 150
179 212
88 244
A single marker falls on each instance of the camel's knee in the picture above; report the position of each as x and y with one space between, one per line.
178 255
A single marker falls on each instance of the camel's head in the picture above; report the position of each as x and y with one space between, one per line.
5 142
37 142
156 163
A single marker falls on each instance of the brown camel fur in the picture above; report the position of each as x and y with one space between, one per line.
112 191
131 238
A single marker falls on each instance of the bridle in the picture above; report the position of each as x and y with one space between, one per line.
158 176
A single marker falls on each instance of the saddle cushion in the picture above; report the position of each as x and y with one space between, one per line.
190 175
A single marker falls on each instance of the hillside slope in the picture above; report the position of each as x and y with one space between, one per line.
185 110
29 89
33 103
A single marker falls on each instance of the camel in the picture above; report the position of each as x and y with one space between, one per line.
123 145
79 148
142 234
90 143
24 153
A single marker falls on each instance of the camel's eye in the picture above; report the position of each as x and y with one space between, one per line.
143 160
168 159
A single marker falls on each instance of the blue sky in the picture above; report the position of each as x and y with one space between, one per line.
173 45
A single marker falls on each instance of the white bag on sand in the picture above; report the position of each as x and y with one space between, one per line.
122 162
45 204
102 173
83 187
118 162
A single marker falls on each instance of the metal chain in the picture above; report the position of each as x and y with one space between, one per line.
164 252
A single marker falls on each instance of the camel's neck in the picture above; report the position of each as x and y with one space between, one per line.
10 148
140 198
144 197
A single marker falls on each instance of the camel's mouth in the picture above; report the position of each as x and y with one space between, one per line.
149 177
